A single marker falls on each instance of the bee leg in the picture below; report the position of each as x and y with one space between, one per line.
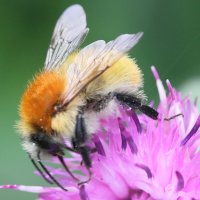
149 111
172 117
66 168
136 103
152 113
80 134
45 169
71 149
84 151
41 173
78 142
93 150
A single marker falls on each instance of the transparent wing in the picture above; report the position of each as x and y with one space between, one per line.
94 59
69 33
83 59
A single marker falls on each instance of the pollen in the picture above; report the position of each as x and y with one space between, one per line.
38 104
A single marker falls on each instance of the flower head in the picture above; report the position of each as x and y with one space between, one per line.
158 159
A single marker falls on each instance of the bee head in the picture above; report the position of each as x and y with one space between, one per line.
44 122
43 143
39 104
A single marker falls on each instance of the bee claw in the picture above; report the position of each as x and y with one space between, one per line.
87 181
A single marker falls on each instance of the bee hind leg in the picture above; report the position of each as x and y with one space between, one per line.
136 104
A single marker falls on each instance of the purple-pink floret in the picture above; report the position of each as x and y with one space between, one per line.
160 163
145 168
98 145
136 120
192 132
126 137
180 184
83 193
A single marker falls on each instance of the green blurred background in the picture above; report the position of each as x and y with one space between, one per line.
171 43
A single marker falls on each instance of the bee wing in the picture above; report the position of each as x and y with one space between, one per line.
83 59
94 59
69 33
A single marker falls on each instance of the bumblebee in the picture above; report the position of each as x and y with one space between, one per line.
75 89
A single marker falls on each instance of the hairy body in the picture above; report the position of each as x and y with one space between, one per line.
43 95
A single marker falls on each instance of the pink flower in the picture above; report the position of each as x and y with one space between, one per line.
154 160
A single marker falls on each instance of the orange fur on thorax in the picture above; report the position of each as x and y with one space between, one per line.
38 101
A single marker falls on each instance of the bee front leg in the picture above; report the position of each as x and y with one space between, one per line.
79 144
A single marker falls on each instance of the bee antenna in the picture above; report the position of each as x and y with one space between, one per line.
42 174
45 169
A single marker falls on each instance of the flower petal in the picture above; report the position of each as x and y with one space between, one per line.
180 184
192 132
98 145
